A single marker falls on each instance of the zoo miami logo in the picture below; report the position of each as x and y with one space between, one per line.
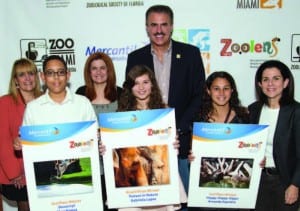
231 47
295 52
259 4
34 49
39 49
65 49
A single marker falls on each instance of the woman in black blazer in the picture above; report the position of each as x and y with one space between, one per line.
276 107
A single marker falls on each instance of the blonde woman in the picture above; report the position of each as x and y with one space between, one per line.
24 86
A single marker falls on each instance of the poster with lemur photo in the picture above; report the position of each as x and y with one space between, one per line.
226 170
140 162
62 166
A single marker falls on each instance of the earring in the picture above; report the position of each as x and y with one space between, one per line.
17 86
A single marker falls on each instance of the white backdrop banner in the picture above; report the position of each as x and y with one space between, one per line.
235 36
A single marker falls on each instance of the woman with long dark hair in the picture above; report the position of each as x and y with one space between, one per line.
220 104
220 101
141 92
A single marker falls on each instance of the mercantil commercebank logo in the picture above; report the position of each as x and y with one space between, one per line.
44 132
55 131
217 131
123 119
134 118
116 53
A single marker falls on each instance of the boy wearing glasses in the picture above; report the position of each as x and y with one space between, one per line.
58 104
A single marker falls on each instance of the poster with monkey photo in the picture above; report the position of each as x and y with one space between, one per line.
140 161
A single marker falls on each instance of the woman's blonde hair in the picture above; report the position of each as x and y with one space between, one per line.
27 65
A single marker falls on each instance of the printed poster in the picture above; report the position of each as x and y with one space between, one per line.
226 170
140 162
62 166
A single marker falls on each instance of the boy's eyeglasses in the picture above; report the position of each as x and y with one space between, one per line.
50 73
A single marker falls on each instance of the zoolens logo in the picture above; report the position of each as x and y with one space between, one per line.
242 144
259 4
268 47
161 132
82 143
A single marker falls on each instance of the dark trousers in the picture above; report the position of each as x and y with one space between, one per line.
271 195
214 209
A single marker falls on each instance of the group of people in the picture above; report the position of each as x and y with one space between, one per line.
164 73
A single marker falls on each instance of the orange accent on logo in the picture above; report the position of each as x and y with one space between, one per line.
270 4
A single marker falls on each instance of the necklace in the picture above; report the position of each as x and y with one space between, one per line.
227 116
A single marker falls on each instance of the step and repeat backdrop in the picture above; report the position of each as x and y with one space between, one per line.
233 35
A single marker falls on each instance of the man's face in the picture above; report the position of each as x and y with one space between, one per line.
159 29
55 77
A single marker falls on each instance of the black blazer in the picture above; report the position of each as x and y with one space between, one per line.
187 78
286 143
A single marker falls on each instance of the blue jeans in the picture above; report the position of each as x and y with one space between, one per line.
184 172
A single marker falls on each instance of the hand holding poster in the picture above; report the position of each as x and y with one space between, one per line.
226 170
140 162
62 166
